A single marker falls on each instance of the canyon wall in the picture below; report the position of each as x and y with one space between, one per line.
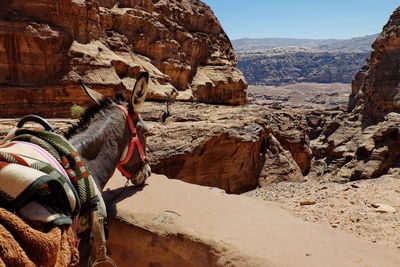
364 143
376 87
47 46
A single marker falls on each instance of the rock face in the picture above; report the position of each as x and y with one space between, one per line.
232 148
365 143
47 46
285 65
376 90
345 151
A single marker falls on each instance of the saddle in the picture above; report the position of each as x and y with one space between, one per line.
44 180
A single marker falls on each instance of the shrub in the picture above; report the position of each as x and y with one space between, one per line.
77 111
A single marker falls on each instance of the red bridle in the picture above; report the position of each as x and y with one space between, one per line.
132 143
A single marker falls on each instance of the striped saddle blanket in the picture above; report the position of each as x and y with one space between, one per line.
43 179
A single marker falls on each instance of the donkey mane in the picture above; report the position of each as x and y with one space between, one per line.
86 118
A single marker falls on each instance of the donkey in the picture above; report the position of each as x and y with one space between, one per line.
111 135
104 136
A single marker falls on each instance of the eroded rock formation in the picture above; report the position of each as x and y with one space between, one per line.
346 151
232 148
47 46
364 143
376 89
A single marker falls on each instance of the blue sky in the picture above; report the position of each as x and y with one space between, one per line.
318 19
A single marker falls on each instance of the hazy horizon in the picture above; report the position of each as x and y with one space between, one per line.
302 19
304 38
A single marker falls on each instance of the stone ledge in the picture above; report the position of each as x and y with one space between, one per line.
172 223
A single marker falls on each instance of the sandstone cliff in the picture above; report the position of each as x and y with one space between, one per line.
365 143
47 46
286 65
376 89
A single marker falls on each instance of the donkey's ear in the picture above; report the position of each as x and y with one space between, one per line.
139 91
95 96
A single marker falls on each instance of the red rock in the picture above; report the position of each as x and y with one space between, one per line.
51 45
376 87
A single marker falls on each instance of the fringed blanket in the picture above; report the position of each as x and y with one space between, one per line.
21 245
44 181
38 191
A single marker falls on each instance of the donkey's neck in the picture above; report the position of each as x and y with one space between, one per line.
101 143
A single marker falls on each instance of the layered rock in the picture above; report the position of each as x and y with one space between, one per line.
345 151
232 148
365 143
48 46
376 90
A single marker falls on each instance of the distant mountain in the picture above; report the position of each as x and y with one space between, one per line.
286 65
353 44
247 44
358 43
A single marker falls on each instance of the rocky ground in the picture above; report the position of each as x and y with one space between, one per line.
189 225
352 207
301 95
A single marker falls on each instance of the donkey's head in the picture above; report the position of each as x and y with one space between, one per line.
112 134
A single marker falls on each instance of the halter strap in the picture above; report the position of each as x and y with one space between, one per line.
132 143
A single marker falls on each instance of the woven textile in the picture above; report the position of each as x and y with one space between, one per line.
39 191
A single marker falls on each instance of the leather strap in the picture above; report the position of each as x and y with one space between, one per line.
134 142
99 241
